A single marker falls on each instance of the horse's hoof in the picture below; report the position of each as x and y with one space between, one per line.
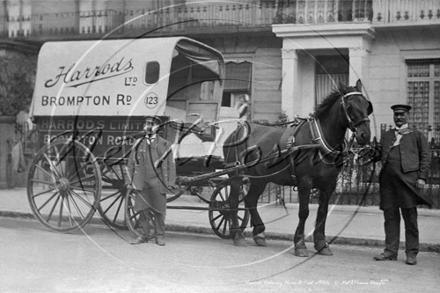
240 242
301 252
260 241
325 251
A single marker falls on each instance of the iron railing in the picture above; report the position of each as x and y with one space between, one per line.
217 17
358 184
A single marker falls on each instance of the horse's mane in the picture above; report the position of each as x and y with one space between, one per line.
327 103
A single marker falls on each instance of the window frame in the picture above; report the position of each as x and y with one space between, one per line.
431 79
146 71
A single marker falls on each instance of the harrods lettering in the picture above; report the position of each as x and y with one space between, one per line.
76 77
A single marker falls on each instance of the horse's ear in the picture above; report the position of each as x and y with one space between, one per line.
359 85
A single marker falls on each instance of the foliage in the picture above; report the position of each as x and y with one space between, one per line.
280 122
17 75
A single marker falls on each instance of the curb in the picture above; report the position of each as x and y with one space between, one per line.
425 247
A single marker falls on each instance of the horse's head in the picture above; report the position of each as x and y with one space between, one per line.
356 109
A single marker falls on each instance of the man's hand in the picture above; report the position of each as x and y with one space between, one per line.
129 186
171 187
420 183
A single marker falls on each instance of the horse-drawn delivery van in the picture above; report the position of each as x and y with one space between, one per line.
89 102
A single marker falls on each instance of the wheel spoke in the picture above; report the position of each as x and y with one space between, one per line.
53 208
44 192
61 211
135 214
77 171
221 196
112 171
71 172
47 173
226 192
76 207
84 179
110 206
53 168
225 226
58 160
69 144
118 210
82 189
219 224
70 216
47 201
81 199
110 195
215 219
41 181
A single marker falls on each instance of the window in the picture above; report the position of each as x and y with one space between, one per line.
152 72
423 94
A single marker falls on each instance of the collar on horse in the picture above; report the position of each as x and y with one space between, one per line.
327 154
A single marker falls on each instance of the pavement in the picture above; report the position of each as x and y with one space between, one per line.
350 225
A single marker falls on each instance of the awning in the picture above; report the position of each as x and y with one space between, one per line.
238 76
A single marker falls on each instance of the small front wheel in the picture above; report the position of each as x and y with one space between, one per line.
220 212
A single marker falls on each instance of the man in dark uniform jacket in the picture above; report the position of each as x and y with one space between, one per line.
151 176
405 158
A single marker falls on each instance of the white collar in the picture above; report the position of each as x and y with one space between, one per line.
404 126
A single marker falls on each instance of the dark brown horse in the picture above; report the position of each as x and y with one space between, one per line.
315 158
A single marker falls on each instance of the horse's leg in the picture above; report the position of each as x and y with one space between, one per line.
251 201
319 234
299 239
236 233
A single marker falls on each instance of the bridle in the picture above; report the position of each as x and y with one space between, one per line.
330 155
352 125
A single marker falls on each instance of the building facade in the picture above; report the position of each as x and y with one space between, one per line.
285 55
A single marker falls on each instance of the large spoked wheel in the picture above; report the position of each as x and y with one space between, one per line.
112 202
64 185
220 212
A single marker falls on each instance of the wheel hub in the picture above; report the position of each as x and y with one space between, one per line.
222 207
63 185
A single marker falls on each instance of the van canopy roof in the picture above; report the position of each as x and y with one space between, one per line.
103 71
201 56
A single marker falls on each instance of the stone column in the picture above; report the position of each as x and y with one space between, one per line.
359 66
289 82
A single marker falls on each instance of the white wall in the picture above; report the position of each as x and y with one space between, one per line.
387 70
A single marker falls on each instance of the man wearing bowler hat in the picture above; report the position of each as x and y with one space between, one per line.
405 157
151 175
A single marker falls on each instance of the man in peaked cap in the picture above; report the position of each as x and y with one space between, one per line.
151 180
405 158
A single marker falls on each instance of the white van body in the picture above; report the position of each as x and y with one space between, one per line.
110 78
112 84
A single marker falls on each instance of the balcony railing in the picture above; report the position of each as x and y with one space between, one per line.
219 18
405 12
